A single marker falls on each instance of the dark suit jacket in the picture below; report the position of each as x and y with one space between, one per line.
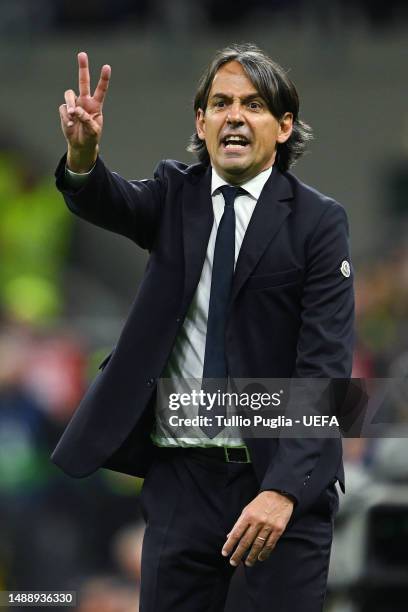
290 314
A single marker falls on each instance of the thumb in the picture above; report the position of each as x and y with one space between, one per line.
86 119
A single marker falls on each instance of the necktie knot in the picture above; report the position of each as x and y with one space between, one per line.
229 194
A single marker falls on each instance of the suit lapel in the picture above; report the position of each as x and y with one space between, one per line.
270 212
198 218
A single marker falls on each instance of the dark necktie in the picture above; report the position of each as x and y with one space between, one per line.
215 364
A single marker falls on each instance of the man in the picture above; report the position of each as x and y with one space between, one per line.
248 277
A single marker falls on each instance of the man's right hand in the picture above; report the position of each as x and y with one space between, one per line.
82 119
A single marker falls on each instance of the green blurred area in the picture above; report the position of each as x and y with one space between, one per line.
34 238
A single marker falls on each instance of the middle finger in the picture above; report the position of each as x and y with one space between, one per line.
103 84
243 545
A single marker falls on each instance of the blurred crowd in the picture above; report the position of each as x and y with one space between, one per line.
381 314
56 532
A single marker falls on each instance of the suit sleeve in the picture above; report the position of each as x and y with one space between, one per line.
130 208
325 344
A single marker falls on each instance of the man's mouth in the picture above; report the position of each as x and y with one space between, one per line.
234 142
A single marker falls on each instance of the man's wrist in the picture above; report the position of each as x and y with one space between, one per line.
284 493
75 180
79 175
79 162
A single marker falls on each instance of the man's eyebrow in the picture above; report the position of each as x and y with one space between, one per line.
253 96
246 98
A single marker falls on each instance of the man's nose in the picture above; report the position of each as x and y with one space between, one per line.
234 116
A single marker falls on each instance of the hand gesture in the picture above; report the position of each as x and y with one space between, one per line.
82 119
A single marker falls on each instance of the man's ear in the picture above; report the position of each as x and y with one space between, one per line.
200 124
285 128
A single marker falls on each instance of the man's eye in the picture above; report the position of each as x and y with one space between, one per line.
220 104
254 105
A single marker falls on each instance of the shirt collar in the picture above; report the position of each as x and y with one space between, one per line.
254 186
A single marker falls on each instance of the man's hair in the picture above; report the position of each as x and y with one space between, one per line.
275 87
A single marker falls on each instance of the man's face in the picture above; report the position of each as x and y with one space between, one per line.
239 130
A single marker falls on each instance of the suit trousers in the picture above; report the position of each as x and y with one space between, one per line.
190 504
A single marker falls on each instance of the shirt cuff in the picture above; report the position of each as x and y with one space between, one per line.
76 179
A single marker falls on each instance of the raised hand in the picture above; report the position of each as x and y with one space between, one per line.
82 119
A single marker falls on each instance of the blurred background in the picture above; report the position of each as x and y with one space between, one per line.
66 287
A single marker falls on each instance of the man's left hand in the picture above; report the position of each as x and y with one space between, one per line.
258 528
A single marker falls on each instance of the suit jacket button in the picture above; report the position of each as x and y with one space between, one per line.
178 320
150 382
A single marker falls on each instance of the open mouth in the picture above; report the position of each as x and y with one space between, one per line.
234 142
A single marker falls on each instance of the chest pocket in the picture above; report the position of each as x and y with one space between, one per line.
277 279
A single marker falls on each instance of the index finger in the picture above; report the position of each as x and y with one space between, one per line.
83 75
233 537
103 84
